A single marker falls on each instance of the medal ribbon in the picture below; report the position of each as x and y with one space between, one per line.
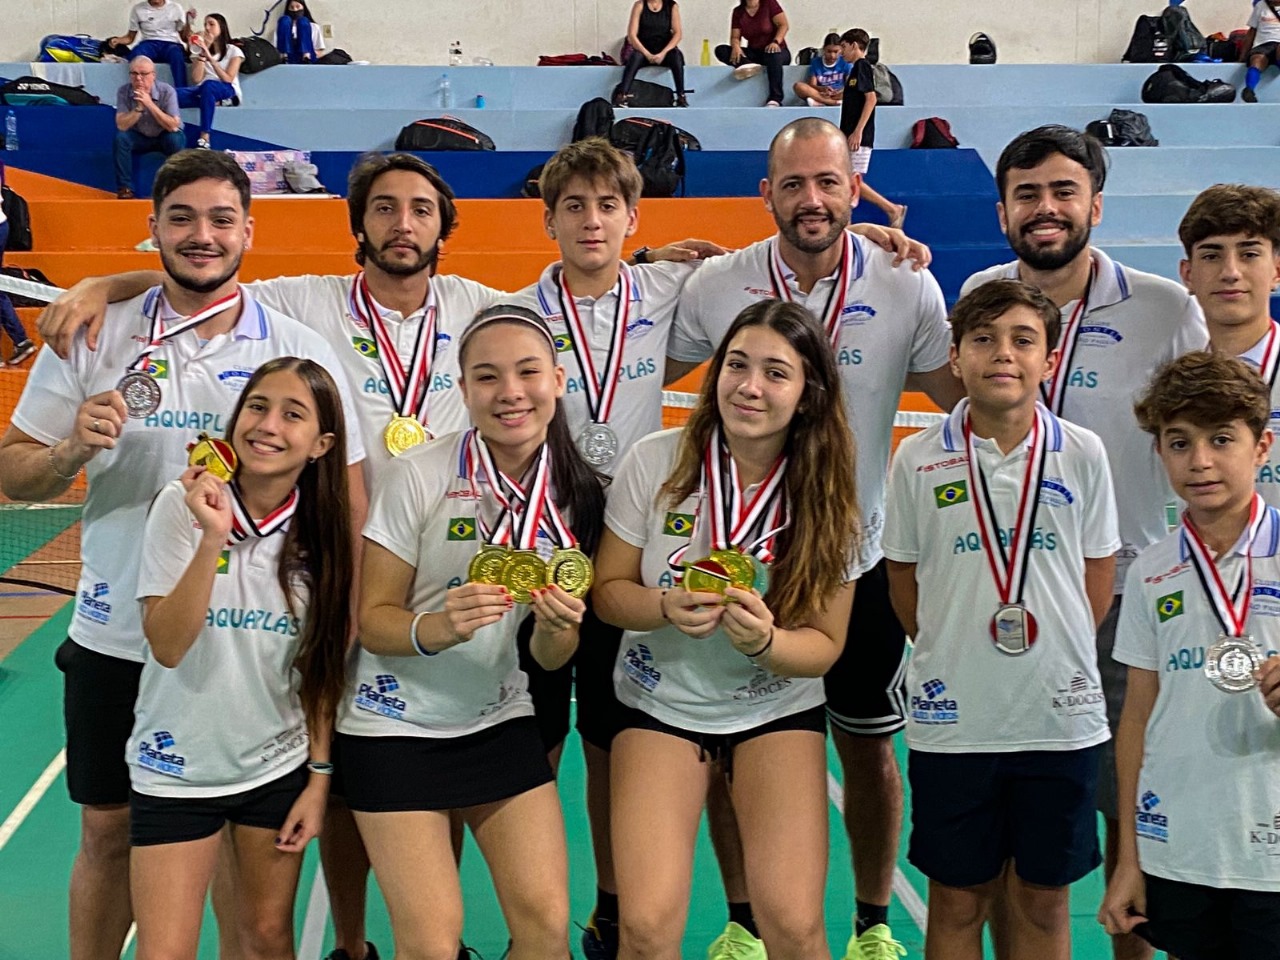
830 316
521 508
243 526
159 335
600 391
1270 364
1232 610
1009 567
1054 392
408 385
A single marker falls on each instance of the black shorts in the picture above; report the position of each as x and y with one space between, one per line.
1193 922
155 820
1115 681
971 812
866 686
1267 50
719 747
391 774
99 693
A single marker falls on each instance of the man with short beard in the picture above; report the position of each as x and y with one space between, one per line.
1119 326
888 329
169 366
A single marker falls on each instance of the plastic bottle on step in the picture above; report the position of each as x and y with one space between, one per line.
446 92
11 131
706 53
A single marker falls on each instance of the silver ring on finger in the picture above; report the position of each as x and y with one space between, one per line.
97 426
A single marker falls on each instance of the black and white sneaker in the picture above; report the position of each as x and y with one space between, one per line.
23 350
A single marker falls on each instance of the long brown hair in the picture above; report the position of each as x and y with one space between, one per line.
317 546
814 552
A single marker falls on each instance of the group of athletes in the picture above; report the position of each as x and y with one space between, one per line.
352 544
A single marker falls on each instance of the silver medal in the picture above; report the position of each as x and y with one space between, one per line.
1013 629
141 394
598 444
1229 664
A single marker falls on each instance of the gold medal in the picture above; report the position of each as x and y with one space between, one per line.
404 433
486 566
742 572
571 571
706 576
523 573
214 455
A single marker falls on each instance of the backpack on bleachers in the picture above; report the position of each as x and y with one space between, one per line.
34 92
888 86
1148 43
807 55
982 49
1221 47
19 216
70 48
660 160
595 119
259 54
1186 42
1172 84
629 132
577 60
1123 128
932 133
648 95
532 187
442 133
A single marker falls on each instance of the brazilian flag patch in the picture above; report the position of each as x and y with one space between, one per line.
678 525
462 528
224 561
949 494
158 368
1169 606
365 347
563 343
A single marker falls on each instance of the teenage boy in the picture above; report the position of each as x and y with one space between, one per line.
1262 41
858 119
1000 532
170 363
1119 326
1198 749
823 85
1231 237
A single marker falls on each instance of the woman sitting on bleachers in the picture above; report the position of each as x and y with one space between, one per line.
298 36
654 35
213 53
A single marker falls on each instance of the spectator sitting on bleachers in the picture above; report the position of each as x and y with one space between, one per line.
297 34
212 52
147 121
823 86
762 27
164 30
654 34
1262 43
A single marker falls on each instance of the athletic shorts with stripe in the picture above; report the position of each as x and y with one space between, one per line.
866 687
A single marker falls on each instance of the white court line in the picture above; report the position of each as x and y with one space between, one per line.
907 895
28 802
128 939
317 912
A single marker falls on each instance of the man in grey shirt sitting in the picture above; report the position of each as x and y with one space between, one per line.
147 121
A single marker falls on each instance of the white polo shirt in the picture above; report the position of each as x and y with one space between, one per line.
1133 325
637 406
227 718
706 685
324 305
1264 20
894 323
424 512
164 22
1209 791
201 383
1267 479
965 695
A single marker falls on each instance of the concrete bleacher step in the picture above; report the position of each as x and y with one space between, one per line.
1191 169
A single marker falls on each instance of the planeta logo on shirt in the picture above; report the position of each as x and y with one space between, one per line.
156 753
637 664
949 494
461 528
380 697
931 707
1169 606
1152 824
91 606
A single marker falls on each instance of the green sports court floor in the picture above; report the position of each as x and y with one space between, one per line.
38 832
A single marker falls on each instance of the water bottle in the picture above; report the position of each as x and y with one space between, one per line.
455 53
706 53
11 131
446 92
479 101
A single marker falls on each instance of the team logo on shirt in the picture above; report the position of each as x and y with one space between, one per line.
1054 492
1097 335
365 347
856 314
462 528
1169 606
1264 837
157 368
156 753
637 665
1152 824
224 562
235 380
1266 598
638 328
931 706
763 684
949 494
380 697
92 606
1079 697
678 525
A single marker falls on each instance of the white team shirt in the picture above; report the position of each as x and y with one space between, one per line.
706 685
157 23
637 406
227 718
965 695
201 383
324 305
424 512
1267 479
1209 789
894 323
1264 20
1134 323
230 54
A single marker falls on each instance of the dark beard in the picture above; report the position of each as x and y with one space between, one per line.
426 261
791 233
196 286
1047 259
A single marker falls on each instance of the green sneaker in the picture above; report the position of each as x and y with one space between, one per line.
736 944
876 943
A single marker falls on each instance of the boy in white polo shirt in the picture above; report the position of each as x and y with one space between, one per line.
1231 237
1198 749
1000 532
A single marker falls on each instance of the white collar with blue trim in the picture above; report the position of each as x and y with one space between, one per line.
953 428
1110 286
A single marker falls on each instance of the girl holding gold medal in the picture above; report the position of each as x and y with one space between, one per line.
466 534
726 559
